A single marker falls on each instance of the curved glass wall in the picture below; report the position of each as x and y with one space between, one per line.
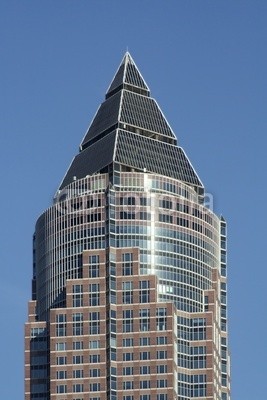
177 236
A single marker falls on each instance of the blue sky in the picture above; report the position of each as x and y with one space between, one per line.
205 62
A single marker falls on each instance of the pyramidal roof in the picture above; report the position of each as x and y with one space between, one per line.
130 129
128 103
128 77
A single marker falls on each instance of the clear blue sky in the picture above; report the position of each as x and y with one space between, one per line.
205 62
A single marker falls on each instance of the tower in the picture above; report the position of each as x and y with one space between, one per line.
129 272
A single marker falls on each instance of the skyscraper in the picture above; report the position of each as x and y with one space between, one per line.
129 271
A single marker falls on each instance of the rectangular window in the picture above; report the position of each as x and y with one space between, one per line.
77 388
145 370
94 266
144 341
61 325
77 327
161 354
161 340
166 218
77 373
94 295
165 204
144 292
144 397
127 294
61 346
161 369
61 388
162 383
77 296
128 342
145 355
162 396
77 359
61 374
127 371
127 266
77 345
94 344
94 358
127 385
61 360
161 319
144 319
95 372
128 356
94 387
127 323
144 384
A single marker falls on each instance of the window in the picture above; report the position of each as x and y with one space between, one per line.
127 356
94 344
127 200
94 294
61 388
162 383
161 319
61 346
77 345
95 372
145 355
127 385
127 266
144 384
127 323
161 369
144 370
165 204
198 330
127 215
144 319
61 374
127 371
127 294
94 266
61 360
77 388
128 342
77 296
183 222
94 327
61 325
94 358
161 354
77 359
162 396
77 373
162 340
166 218
144 293
94 387
77 328
144 341
198 359
144 397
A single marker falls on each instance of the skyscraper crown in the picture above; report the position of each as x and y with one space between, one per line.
130 129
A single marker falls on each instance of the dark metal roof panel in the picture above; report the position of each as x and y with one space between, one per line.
155 156
106 116
91 160
143 112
